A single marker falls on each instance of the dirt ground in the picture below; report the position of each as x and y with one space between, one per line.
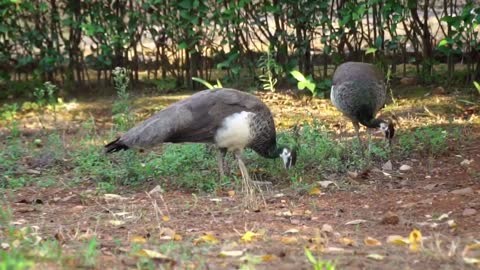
347 225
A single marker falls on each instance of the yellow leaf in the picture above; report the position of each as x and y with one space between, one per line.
231 193
314 191
177 237
268 257
249 236
165 218
231 253
375 256
372 242
138 240
346 241
471 261
472 246
146 253
452 224
289 240
207 238
397 240
415 240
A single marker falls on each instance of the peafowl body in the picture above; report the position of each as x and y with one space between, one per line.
359 92
230 119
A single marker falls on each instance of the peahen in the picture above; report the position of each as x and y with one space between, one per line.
359 92
230 119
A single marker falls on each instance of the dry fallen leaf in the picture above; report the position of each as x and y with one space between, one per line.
138 240
397 240
146 253
207 238
231 193
356 221
249 236
116 222
325 184
112 197
231 253
415 240
468 260
375 256
337 250
372 242
468 248
177 237
452 224
268 257
346 241
165 218
291 231
314 191
289 240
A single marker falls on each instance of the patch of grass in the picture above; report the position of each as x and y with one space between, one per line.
319 153
10 156
25 246
90 252
189 166
427 141
318 264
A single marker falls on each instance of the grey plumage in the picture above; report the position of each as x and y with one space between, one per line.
228 118
359 92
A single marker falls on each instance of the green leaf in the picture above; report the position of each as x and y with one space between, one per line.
183 45
186 4
442 43
477 85
204 82
301 85
371 50
298 75
311 86
310 256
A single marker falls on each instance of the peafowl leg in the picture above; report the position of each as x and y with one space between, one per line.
222 165
248 187
356 126
369 134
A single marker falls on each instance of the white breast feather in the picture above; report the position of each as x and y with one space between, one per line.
332 96
234 133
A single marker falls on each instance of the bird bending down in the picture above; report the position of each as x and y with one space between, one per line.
359 92
230 119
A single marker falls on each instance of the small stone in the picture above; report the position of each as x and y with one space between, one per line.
466 162
469 212
408 81
405 168
156 189
439 91
32 171
390 218
387 166
462 191
430 186
78 208
327 228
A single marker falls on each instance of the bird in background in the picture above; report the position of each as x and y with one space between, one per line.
359 92
230 119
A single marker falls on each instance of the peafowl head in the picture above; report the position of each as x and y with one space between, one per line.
289 156
388 129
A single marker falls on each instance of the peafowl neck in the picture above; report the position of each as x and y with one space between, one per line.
268 150
371 123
